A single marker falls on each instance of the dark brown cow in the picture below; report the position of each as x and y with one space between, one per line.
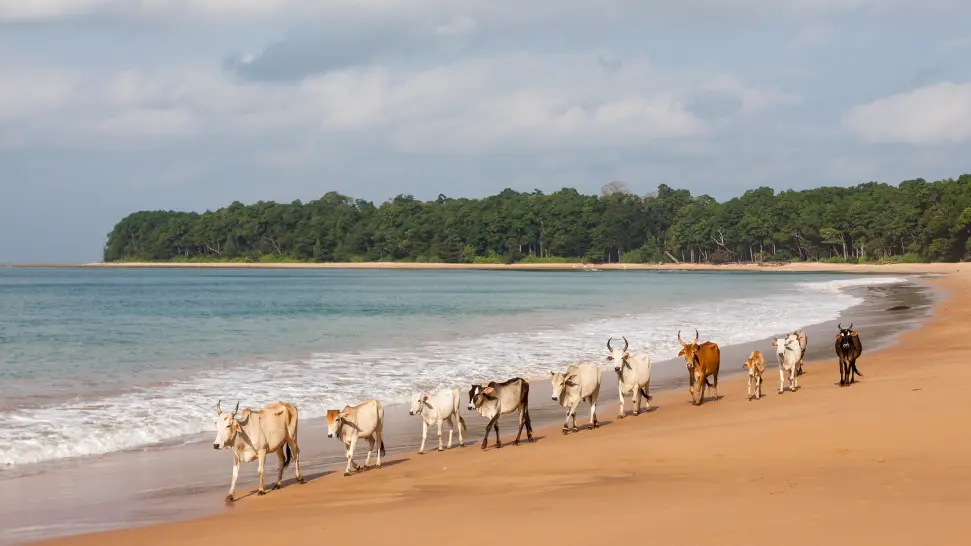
702 361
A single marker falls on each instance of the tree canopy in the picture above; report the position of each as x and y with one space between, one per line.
913 221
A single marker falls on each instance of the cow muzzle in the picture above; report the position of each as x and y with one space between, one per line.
215 446
554 397
471 407
330 435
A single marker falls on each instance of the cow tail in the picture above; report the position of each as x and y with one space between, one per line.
462 426
382 448
645 395
855 370
287 455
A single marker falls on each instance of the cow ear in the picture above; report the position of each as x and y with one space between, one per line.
681 353
488 390
773 344
837 336
552 372
626 356
853 334
424 398
236 426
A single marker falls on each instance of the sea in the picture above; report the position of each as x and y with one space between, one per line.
94 361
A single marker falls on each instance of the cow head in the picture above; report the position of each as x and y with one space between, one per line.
226 427
845 336
479 394
783 344
618 356
335 422
418 403
561 382
689 350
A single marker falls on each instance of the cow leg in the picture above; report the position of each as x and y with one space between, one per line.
566 421
440 448
379 440
492 422
715 386
496 428
842 373
751 379
280 458
851 371
295 453
522 424
424 434
349 454
451 429
758 387
370 449
232 484
635 400
794 379
593 413
620 394
261 458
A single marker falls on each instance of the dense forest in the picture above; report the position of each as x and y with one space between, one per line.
914 221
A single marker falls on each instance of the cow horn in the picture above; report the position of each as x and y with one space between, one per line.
840 326
851 326
219 403
237 407
679 339
608 344
626 345
696 335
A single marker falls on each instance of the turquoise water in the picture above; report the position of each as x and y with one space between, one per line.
93 361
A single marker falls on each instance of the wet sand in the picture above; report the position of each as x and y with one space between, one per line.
188 481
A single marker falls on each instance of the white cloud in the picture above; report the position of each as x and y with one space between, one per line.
513 102
257 10
936 114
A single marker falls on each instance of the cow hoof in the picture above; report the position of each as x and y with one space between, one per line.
634 413
565 430
596 425
575 429
780 392
260 493
498 445
441 449
229 498
421 452
377 467
301 480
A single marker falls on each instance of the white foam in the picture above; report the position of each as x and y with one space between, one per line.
330 380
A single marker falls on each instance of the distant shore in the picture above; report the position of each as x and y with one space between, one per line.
801 267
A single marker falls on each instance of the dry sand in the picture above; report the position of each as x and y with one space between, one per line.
886 461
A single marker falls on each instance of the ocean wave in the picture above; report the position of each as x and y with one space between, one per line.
176 409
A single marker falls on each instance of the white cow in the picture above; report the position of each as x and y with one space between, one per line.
789 353
803 342
633 377
272 429
436 408
365 420
580 382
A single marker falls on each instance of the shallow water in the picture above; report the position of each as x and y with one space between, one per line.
93 362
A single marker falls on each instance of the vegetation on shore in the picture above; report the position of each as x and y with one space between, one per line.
872 222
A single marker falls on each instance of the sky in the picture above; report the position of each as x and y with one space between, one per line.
112 106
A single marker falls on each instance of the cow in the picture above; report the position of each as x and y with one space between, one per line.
788 353
580 382
365 420
848 349
702 361
493 400
255 433
633 377
803 342
755 364
440 406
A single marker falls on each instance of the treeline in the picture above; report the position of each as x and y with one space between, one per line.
914 221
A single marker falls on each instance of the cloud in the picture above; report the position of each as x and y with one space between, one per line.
478 105
936 114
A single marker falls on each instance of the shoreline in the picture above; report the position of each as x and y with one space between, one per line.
800 267
891 464
197 497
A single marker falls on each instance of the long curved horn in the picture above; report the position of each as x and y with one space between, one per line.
608 344
237 407
840 326
626 345
680 340
696 335
219 409
851 326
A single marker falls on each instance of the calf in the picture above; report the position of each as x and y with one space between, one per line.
788 353
365 420
633 377
702 361
756 365
493 400
580 382
272 429
848 349
440 406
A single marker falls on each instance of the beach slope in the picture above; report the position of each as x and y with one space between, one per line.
886 461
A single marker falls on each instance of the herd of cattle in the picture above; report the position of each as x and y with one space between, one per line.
273 429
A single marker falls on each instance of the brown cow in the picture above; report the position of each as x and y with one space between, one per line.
755 364
702 361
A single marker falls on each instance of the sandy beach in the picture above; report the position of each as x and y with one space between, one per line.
882 461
